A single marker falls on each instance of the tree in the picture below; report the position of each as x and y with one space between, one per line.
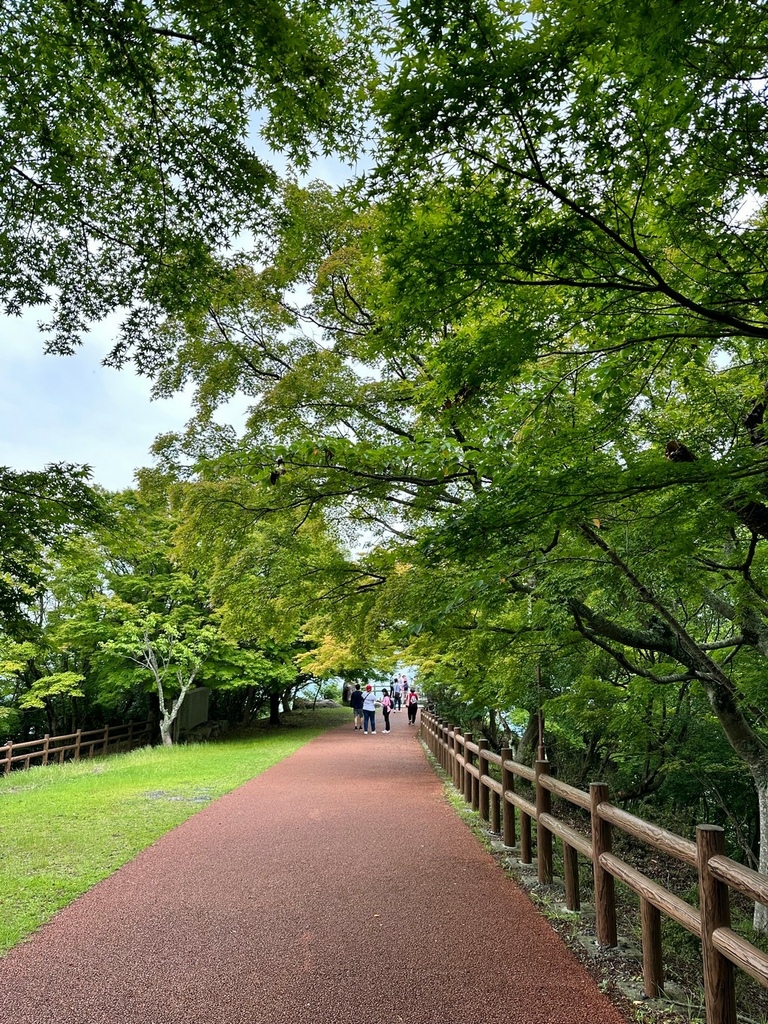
331 655
156 614
344 418
578 144
130 158
39 512
269 580
584 189
108 593
172 654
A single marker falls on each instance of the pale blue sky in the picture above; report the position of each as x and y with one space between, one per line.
73 409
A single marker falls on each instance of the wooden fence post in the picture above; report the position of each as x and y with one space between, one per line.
77 744
483 793
653 963
719 990
475 780
467 773
571 877
543 835
525 838
455 773
105 748
46 746
8 756
495 810
605 900
508 786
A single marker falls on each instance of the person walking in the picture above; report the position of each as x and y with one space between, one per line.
356 700
396 695
412 703
404 689
386 707
369 709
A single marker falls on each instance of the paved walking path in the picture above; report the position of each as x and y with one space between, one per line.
338 887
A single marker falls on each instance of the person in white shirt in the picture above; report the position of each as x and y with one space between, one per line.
369 710
404 688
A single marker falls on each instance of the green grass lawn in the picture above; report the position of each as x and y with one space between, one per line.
64 828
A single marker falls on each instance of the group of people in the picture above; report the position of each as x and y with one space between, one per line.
401 694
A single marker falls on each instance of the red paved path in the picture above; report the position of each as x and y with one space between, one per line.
337 887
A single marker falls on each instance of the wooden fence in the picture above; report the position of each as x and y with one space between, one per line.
470 764
75 746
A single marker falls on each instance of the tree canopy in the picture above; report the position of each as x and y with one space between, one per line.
135 141
39 511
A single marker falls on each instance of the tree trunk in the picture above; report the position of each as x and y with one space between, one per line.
50 716
155 714
165 731
317 694
526 748
274 709
167 718
760 915
248 707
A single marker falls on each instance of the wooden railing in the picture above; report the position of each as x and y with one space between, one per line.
74 746
470 763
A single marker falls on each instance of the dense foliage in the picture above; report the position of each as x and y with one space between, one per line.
135 144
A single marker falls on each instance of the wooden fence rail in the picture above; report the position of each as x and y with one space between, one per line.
74 746
470 764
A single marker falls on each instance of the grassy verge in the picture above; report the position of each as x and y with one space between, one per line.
64 828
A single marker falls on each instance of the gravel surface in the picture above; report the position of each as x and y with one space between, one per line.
337 887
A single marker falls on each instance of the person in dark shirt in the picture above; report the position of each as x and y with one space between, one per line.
356 700
395 694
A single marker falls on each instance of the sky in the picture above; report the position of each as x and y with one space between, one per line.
73 409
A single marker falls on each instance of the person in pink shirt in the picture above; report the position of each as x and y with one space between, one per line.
412 704
386 707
